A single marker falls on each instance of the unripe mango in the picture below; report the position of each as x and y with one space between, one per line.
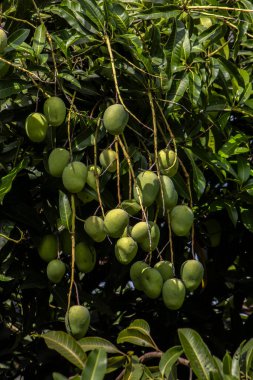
115 222
131 206
3 40
57 161
181 218
77 321
48 248
151 282
85 257
192 272
74 176
55 111
4 68
94 227
108 160
165 268
115 119
125 250
56 270
36 126
147 188
91 178
173 293
167 196
151 242
140 232
135 273
168 162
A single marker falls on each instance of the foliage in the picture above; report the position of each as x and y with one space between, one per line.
183 73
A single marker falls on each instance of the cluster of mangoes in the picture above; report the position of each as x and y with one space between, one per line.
161 280
36 124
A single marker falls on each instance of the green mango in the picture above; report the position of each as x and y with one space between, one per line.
135 273
108 160
150 243
151 282
55 111
3 40
94 227
77 321
115 119
192 272
146 188
56 270
125 250
173 293
74 176
165 268
115 222
48 247
181 218
168 162
36 126
91 178
167 196
85 257
57 161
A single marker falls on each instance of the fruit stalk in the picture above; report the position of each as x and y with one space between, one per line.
73 244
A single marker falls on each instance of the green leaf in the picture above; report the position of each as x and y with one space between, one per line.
67 15
232 212
94 14
227 364
168 359
70 78
135 337
249 362
58 376
16 38
243 169
197 353
92 342
6 227
133 372
235 365
65 210
11 87
4 278
115 362
165 11
199 181
247 218
39 39
179 86
235 145
66 346
140 325
95 365
6 181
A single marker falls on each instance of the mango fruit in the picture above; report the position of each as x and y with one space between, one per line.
173 293
54 110
108 160
3 40
150 243
135 273
56 270
165 268
94 227
77 321
85 257
57 161
151 282
48 247
167 196
74 176
125 250
4 68
91 178
36 126
115 222
146 188
131 206
181 218
168 162
192 272
115 119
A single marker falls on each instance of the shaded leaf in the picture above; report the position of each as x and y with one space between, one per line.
66 346
197 353
95 365
168 359
92 342
65 210
6 181
39 39
135 337
247 218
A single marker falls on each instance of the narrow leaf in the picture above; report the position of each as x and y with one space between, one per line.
65 210
95 365
135 337
140 325
243 169
6 181
197 352
91 343
39 39
168 359
11 87
66 346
